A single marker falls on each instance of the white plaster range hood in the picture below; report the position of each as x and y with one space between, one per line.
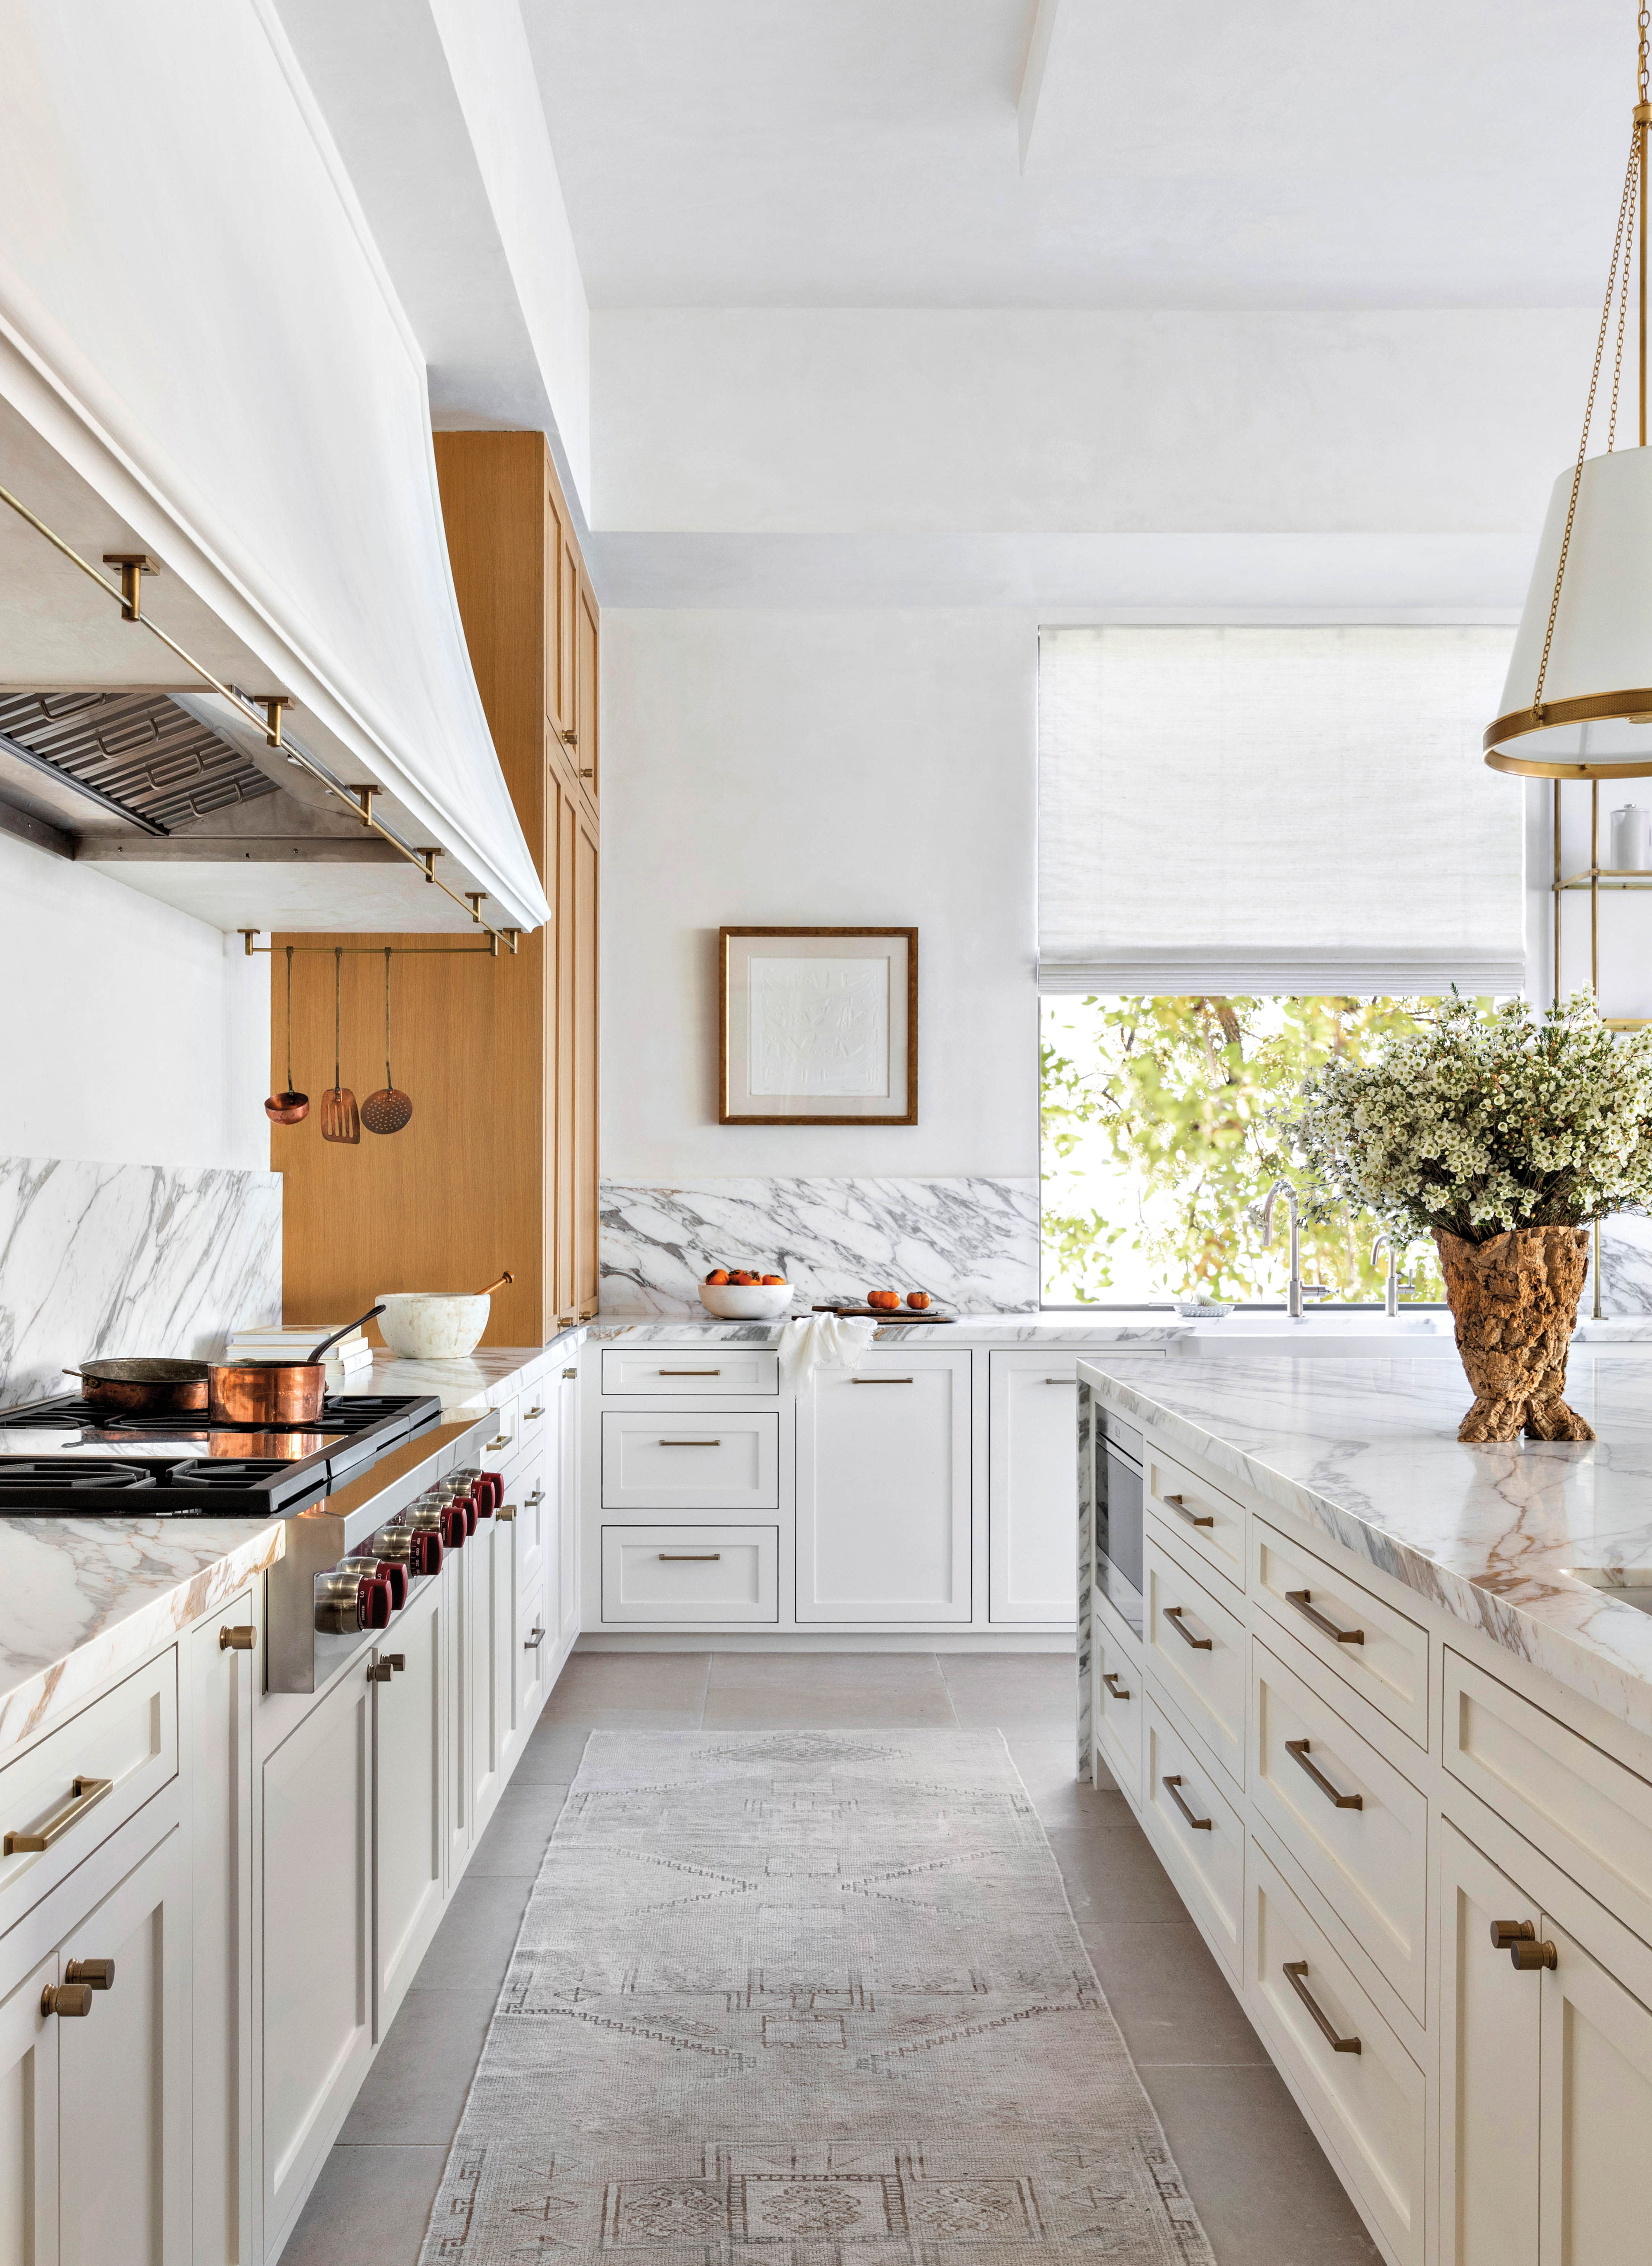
225 382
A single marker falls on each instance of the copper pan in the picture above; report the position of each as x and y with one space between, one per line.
139 1385
275 1392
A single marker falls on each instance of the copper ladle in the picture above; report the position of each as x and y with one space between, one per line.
289 1107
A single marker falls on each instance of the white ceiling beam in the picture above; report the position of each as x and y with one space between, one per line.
1033 71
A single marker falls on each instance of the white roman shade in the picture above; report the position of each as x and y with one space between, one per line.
1274 810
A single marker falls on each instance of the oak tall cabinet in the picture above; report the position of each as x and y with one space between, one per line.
499 1166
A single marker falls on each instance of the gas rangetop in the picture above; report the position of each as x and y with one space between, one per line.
60 1454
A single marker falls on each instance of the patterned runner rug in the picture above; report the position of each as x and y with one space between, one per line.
805 1999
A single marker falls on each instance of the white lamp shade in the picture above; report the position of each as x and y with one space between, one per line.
1597 717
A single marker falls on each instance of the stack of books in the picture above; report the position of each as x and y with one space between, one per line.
350 1358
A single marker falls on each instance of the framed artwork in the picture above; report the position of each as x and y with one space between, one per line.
818 1027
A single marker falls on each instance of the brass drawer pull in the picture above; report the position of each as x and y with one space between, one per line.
1299 1749
533 1643
570 1372
1112 1685
243 1639
1193 1517
507 1513
1061 1381
536 1498
1293 1970
84 1793
690 1556
688 1372
96 1974
1300 1599
379 1672
883 1380
503 1441
531 1414
1172 1787
1519 1938
690 1443
1172 1614
66 1998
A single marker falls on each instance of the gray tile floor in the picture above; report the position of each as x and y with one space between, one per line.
1266 2194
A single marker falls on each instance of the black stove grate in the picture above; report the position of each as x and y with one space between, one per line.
73 1474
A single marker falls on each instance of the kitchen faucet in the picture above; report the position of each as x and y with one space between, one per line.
1264 1224
1391 1296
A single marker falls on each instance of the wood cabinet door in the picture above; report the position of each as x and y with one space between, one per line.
317 1976
124 2076
883 1490
407 1835
1596 2118
584 1097
1032 1488
28 2119
587 691
220 1718
1490 2024
561 595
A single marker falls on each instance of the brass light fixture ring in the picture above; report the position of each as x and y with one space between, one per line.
1632 705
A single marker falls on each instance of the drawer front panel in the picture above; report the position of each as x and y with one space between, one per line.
1370 2105
130 1737
1388 1664
690 1573
1198 1648
1371 1863
684 1375
698 1460
1582 1807
1200 1832
1119 1708
1198 1514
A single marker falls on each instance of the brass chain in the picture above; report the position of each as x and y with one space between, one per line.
1624 210
1623 323
1643 20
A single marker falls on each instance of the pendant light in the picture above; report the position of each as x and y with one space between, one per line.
1577 700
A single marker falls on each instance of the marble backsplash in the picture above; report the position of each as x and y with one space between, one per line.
1625 1267
128 1258
971 1243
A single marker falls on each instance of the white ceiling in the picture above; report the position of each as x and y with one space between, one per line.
1288 153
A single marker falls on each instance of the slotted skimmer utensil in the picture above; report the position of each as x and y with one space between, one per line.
387 1111
341 1121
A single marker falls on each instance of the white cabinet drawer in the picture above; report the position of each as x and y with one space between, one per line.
1200 1833
129 1738
1120 1706
673 1374
699 1460
1196 1513
1584 1808
1379 1652
1197 1646
690 1573
1357 1828
1369 2103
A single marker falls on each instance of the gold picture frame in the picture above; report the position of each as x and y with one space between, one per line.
811 1033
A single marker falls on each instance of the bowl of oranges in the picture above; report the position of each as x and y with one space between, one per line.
744 1294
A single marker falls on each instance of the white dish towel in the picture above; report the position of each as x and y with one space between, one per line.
814 1341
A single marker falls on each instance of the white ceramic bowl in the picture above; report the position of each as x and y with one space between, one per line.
430 1325
746 1302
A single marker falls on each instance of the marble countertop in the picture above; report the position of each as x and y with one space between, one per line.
1367 1451
1148 1332
466 1387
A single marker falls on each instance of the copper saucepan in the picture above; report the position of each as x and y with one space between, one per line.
137 1386
275 1392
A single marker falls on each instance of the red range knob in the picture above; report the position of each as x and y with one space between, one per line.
470 1512
454 1525
392 1571
372 1601
427 1552
494 1483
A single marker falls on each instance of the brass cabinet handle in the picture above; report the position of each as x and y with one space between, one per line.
507 1513
536 1498
1112 1685
883 1380
533 1643
1519 1938
1172 1787
503 1441
66 1998
1300 1599
1299 1749
690 1443
241 1639
96 1974
398 1661
688 1372
690 1556
570 1372
378 1671
1293 1970
1172 1614
529 1414
1193 1517
83 1795
1061 1381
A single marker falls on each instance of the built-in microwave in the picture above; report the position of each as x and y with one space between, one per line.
1118 1514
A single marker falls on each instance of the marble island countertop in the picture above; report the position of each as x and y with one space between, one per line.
1367 1452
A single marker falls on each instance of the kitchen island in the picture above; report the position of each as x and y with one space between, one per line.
1379 1698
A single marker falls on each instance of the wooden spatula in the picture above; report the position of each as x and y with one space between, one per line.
340 1119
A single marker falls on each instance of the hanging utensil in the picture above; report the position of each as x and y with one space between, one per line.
276 1391
341 1121
289 1107
387 1111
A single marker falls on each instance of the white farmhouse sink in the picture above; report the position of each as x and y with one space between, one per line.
1352 1333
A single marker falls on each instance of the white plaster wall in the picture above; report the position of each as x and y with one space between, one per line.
854 767
128 1032
835 420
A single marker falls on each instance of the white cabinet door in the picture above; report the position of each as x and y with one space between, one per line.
1596 2118
317 1978
460 1571
488 1605
533 1641
567 1494
123 2075
1490 2030
1032 1488
883 1490
407 1834
220 1704
28 2119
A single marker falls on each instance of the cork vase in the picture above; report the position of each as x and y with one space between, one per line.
1514 1301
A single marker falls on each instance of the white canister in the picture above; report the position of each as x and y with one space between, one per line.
1631 839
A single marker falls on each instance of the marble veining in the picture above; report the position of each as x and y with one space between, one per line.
971 1243
1625 1267
468 1386
128 1258
1367 1452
